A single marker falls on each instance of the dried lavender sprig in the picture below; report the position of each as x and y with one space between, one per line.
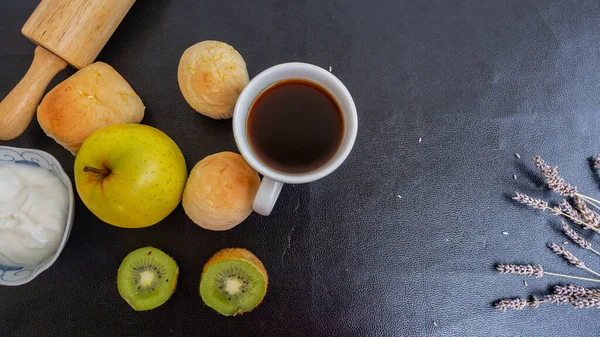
511 304
582 213
575 237
521 269
557 299
578 297
572 234
529 201
558 184
546 170
580 302
553 180
562 251
573 290
585 302
537 271
559 250
586 214
566 207
517 304
542 205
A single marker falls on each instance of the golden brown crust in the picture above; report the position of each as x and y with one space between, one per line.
94 97
220 191
211 76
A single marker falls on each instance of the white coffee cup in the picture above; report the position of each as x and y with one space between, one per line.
273 179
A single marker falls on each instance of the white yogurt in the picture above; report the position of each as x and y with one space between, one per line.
34 205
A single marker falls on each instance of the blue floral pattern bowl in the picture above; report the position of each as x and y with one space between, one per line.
18 275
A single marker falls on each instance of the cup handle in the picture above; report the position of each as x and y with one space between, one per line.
267 195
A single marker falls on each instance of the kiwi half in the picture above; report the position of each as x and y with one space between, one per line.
147 278
233 281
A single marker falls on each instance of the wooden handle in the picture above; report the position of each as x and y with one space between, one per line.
75 30
18 107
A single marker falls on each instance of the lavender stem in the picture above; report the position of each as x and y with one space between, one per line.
543 205
579 222
573 277
595 251
591 271
595 203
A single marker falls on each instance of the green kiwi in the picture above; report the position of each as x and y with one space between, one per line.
233 281
147 278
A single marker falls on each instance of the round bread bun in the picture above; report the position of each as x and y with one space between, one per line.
220 191
94 97
211 76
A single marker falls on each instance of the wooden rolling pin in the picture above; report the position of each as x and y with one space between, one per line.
66 31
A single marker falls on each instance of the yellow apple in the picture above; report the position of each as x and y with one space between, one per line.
130 175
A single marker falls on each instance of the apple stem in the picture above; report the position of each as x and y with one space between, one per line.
103 172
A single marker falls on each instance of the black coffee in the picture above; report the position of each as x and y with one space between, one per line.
295 126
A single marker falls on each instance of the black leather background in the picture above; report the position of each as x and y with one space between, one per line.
478 81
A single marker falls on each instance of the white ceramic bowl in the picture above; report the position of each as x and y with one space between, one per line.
18 275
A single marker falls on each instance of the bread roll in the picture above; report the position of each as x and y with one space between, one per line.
220 191
94 97
211 76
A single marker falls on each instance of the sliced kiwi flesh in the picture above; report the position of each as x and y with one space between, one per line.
147 278
233 281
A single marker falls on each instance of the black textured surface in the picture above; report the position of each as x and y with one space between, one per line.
478 81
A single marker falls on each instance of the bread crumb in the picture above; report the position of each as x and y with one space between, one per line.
504 233
525 283
518 155
514 176
446 240
420 140
399 196
435 324
330 69
566 243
